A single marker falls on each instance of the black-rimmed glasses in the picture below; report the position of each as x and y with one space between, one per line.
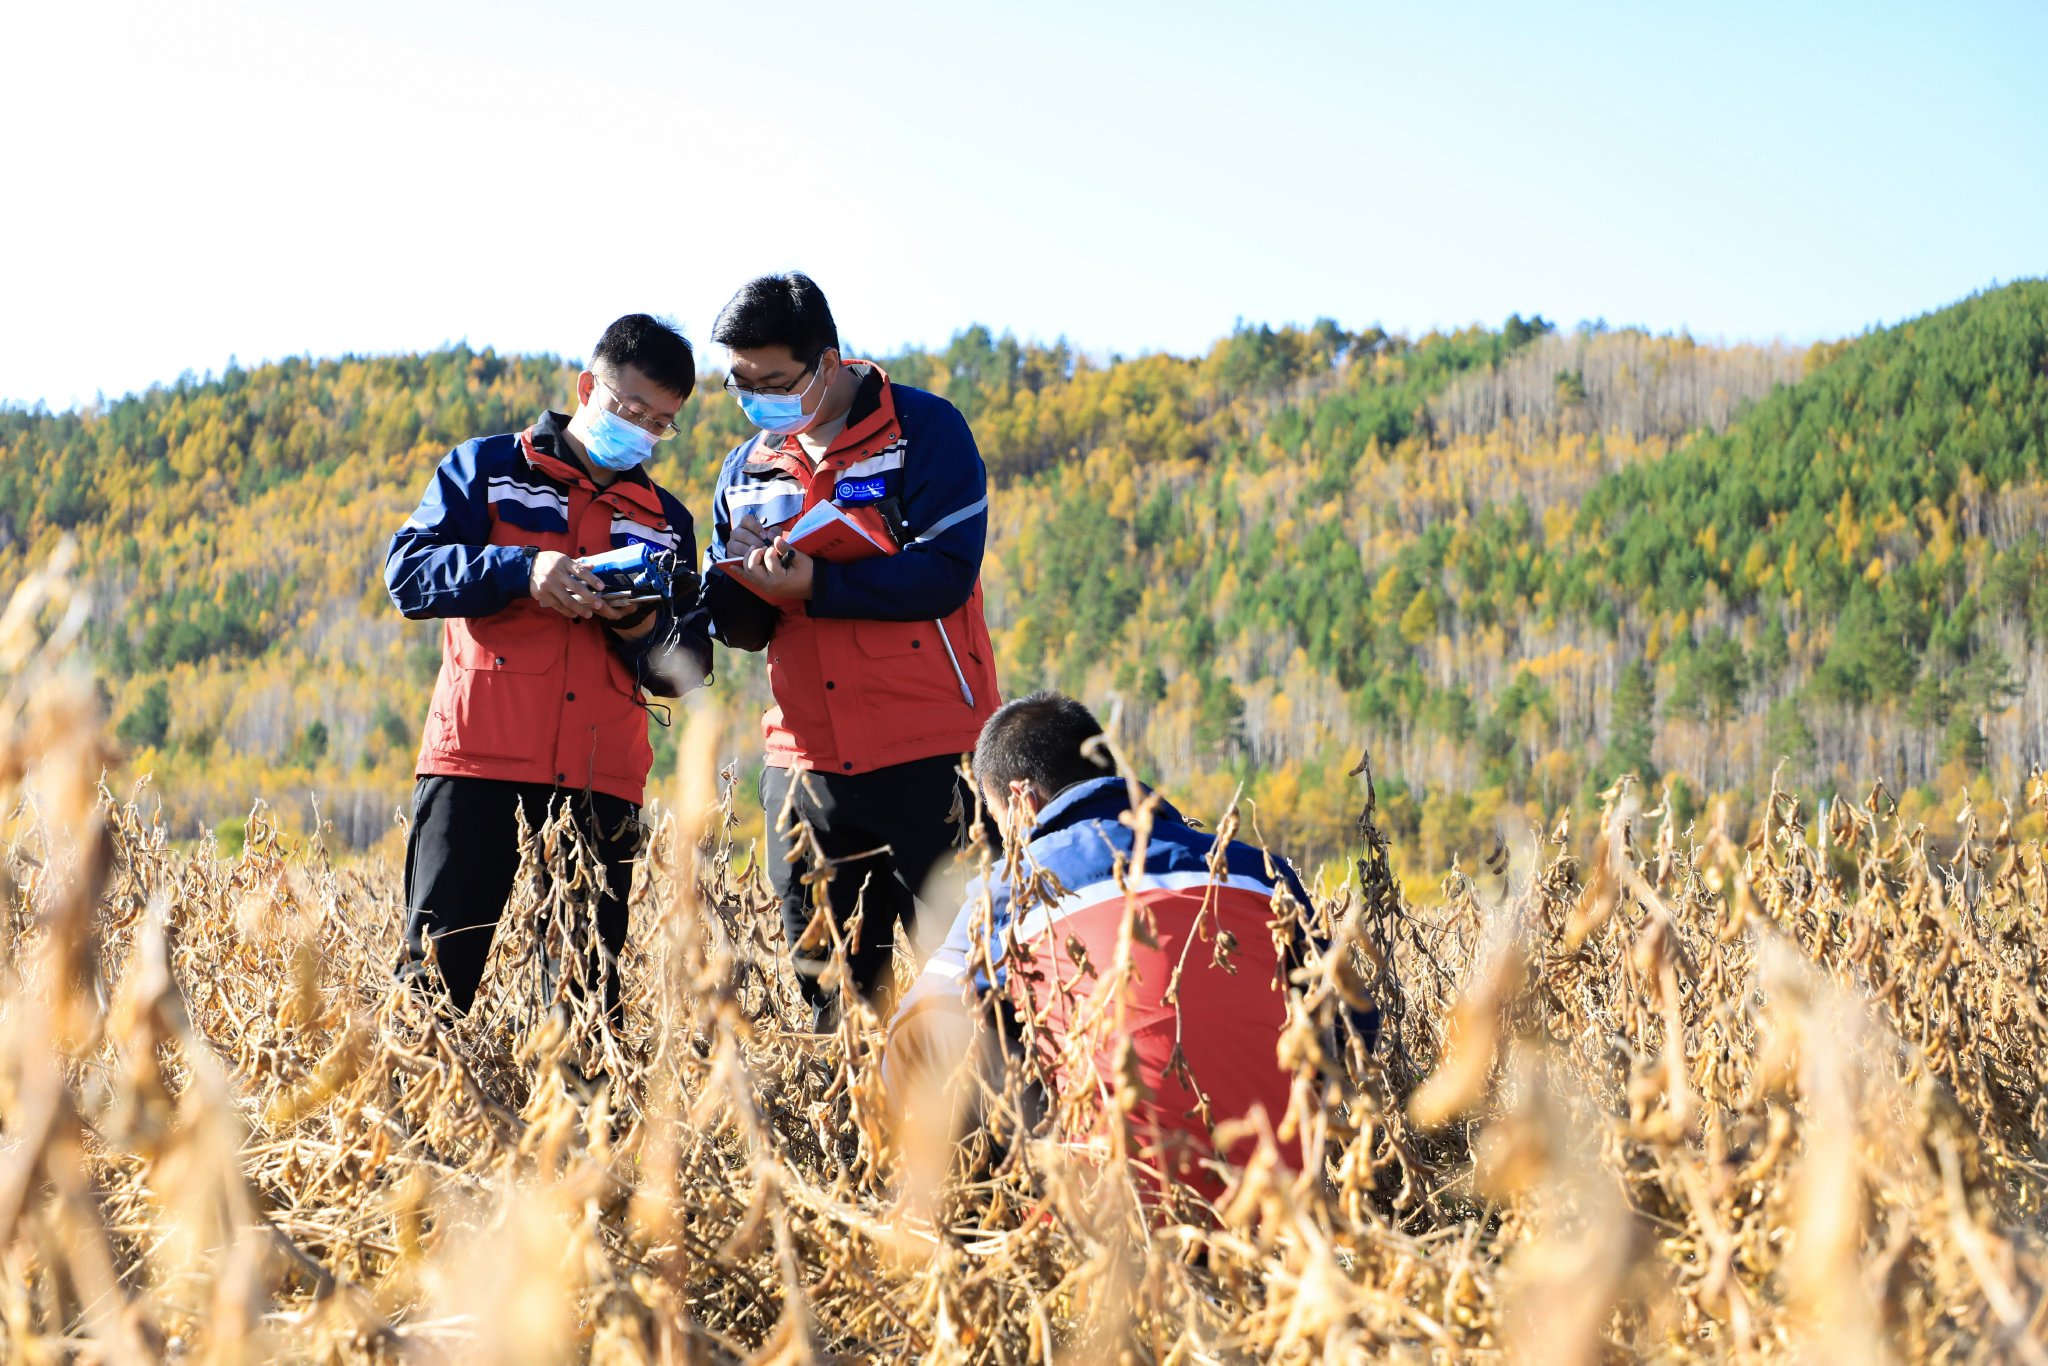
646 419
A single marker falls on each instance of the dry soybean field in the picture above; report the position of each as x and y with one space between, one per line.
1640 1092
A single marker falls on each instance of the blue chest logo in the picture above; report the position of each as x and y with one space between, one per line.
860 490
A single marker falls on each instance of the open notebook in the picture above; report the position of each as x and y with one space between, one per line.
828 532
835 535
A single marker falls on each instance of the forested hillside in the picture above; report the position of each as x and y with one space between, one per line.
1515 563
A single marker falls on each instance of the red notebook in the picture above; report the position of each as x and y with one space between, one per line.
832 533
828 532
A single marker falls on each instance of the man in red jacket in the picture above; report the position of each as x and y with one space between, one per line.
882 668
541 699
1197 1028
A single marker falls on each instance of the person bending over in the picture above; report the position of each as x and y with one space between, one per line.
1047 950
541 699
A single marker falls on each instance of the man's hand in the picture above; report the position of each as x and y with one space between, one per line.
774 569
557 581
617 611
747 535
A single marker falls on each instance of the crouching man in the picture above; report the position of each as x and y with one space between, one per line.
1201 1035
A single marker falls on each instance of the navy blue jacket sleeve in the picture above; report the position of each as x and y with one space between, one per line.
441 563
1367 1020
675 656
945 506
734 613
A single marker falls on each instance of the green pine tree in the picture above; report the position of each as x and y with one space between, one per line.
1632 724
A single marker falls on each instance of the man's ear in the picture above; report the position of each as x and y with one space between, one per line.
585 384
1024 797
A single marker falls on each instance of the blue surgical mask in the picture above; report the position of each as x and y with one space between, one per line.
613 442
779 414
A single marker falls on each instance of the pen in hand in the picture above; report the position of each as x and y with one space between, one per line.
749 534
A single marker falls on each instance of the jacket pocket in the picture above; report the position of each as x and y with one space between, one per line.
907 666
885 639
521 639
500 700
499 714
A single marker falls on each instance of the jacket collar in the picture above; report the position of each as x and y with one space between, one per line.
544 448
1095 799
874 405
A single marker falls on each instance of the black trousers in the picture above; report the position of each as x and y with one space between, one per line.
463 853
908 807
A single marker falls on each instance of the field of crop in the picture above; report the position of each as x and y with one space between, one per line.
1641 1091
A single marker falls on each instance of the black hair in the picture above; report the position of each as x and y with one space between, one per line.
779 310
650 346
1041 739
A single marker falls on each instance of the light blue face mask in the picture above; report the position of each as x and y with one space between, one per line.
613 442
779 414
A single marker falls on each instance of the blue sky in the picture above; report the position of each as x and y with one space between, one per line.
195 181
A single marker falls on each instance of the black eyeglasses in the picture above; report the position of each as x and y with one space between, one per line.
646 419
735 388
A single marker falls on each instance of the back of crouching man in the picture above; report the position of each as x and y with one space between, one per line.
1183 1040
540 704
881 667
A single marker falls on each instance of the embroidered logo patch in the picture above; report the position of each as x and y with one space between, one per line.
860 490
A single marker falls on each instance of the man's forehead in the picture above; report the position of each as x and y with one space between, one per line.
631 382
755 361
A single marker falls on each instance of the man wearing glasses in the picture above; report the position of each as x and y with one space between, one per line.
541 699
881 667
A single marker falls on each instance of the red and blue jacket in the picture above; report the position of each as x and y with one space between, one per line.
861 676
1048 950
526 694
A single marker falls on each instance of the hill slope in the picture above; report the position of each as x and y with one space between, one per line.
1513 562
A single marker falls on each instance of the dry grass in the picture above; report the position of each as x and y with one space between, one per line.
1678 1100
